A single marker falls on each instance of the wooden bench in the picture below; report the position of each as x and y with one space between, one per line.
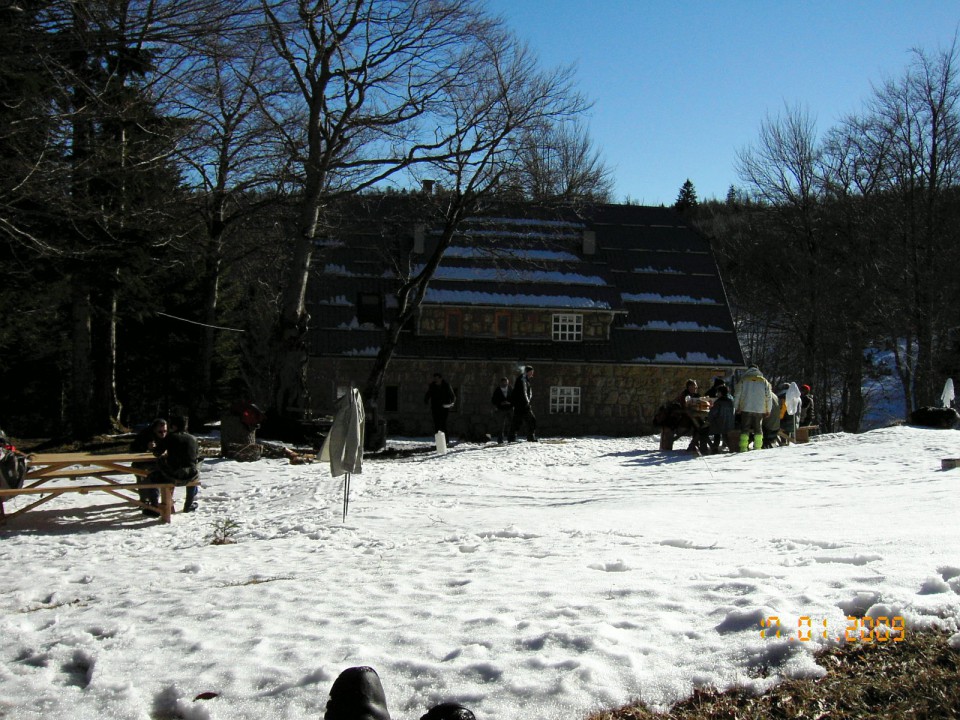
165 508
47 469
804 432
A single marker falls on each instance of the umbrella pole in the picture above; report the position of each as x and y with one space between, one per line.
346 495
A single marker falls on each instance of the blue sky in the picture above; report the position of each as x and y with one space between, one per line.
679 86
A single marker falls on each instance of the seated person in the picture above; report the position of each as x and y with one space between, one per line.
147 441
178 455
690 390
714 391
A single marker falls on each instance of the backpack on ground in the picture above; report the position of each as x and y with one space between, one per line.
13 468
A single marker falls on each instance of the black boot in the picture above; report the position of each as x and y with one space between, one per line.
190 502
357 695
449 711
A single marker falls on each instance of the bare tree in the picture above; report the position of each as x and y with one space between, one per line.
233 155
507 95
804 275
913 128
385 87
558 162
782 173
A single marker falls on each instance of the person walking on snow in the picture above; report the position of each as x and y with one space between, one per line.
522 412
441 398
503 408
753 403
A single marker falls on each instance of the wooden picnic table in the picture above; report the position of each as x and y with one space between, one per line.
695 411
49 475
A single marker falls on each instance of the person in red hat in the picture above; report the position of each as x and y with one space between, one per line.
807 414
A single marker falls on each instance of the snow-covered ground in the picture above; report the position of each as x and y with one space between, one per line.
524 581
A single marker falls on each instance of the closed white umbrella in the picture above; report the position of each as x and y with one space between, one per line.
947 397
343 446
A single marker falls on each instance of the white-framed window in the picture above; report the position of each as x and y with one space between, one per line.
564 399
567 327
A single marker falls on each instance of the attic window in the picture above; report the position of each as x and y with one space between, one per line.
567 327
369 308
564 400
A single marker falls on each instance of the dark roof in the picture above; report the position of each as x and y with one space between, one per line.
651 270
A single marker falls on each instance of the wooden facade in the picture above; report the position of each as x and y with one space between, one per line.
614 306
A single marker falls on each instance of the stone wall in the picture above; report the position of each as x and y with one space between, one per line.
617 400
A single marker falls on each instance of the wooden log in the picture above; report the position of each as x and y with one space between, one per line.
949 463
733 440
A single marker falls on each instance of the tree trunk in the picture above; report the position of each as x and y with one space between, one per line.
210 301
291 397
852 408
81 389
106 405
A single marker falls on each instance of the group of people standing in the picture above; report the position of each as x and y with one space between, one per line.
512 405
764 418
513 409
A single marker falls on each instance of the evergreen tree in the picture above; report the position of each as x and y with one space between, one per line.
687 198
733 196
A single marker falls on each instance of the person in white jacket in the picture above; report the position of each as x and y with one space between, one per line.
753 404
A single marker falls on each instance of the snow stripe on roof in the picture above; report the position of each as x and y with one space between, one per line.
512 275
658 298
469 297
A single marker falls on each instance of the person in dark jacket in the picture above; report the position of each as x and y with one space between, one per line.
714 391
522 412
690 390
441 398
146 441
720 419
178 455
808 414
503 407
148 438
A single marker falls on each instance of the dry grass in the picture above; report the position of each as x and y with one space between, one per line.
917 678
